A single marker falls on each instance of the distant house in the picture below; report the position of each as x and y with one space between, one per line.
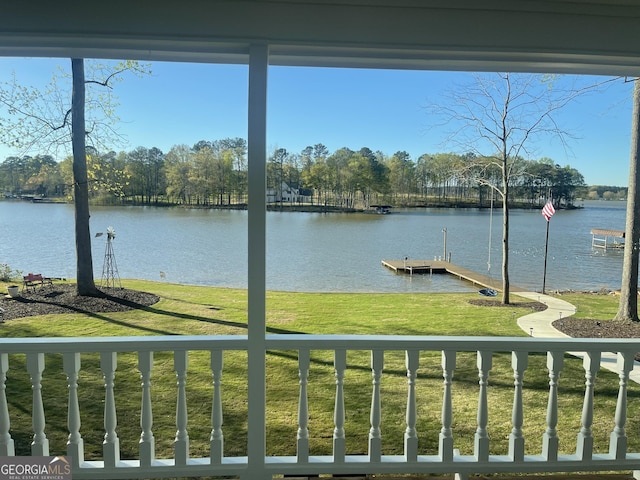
288 194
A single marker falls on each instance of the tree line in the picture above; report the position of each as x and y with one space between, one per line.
214 174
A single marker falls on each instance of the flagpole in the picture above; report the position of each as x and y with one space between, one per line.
546 247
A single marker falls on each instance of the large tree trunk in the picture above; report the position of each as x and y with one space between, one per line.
628 307
84 262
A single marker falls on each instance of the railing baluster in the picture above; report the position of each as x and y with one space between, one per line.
591 364
550 440
35 367
481 439
445 447
303 407
618 438
216 440
111 443
7 447
375 436
75 443
147 444
412 358
340 365
519 361
181 442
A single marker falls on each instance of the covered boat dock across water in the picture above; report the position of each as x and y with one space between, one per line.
606 238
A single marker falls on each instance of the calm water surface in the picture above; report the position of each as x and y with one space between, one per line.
317 252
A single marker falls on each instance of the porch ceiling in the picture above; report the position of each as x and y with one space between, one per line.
583 36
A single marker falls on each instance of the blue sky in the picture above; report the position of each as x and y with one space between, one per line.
383 110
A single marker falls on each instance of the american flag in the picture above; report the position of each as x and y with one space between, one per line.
548 210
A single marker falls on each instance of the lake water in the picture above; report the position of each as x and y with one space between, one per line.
318 252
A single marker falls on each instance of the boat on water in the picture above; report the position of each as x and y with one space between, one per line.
382 209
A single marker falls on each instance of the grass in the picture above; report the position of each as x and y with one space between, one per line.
593 306
197 310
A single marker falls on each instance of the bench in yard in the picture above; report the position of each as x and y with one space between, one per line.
33 280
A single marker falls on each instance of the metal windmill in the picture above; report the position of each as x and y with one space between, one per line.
109 268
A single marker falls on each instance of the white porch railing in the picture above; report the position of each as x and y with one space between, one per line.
455 450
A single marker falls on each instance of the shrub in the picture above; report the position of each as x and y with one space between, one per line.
7 274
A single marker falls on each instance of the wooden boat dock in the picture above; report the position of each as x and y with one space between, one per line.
422 267
600 238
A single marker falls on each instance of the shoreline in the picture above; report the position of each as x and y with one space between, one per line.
309 208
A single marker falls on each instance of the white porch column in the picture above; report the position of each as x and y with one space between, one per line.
257 167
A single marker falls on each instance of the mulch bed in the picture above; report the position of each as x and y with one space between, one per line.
487 302
64 299
587 328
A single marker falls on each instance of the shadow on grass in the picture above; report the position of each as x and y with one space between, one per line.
133 305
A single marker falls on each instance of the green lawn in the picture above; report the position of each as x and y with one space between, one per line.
593 306
196 310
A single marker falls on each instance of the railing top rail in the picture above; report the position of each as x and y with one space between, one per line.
458 343
123 344
315 342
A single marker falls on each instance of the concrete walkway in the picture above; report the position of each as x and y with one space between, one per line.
539 325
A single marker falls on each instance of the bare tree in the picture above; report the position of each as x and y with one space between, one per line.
42 118
499 118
